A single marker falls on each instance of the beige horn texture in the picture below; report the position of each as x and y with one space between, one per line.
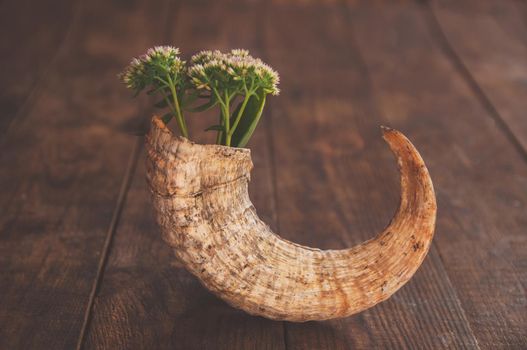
202 205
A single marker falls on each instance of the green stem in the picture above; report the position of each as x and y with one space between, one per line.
220 100
179 116
162 80
226 118
219 136
169 104
240 113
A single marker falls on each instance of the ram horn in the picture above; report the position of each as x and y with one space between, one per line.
200 195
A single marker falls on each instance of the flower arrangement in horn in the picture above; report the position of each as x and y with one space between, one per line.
200 196
234 82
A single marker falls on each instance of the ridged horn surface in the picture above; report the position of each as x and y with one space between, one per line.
202 205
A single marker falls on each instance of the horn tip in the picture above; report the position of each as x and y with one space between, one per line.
387 130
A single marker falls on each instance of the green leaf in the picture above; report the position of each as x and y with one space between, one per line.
166 117
215 127
161 104
155 90
250 118
206 106
188 99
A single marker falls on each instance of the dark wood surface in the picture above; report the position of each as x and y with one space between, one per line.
82 264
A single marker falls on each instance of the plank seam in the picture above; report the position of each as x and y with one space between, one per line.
121 199
471 81
125 185
439 35
434 246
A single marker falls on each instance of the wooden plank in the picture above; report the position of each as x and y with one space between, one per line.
147 300
479 176
33 33
64 162
336 177
488 42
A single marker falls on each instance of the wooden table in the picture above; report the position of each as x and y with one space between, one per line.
82 263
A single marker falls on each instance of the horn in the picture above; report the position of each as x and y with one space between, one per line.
201 200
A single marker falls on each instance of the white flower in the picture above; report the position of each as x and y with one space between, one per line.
240 52
161 51
236 71
159 62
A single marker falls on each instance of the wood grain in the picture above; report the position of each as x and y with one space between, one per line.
63 162
337 182
453 79
478 174
147 299
489 40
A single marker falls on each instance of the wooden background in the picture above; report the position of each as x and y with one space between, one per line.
82 263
